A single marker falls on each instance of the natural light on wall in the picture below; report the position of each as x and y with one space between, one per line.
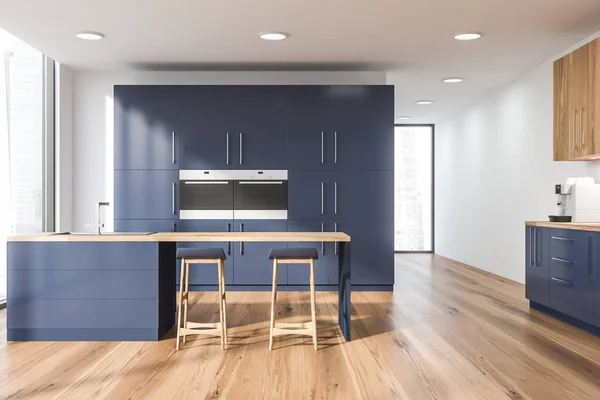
21 143
413 175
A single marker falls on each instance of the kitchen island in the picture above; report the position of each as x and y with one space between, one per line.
115 287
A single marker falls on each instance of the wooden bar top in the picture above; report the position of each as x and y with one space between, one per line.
187 237
580 226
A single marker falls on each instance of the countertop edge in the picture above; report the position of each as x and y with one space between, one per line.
579 226
190 237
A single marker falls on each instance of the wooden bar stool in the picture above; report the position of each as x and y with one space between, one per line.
201 256
294 256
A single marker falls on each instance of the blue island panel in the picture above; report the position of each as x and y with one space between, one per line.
90 290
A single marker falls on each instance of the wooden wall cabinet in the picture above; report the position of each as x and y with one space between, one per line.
576 104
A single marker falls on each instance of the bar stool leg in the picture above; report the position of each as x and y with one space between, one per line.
313 310
273 299
224 298
187 294
221 325
179 301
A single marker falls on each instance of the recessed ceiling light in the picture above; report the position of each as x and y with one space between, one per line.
90 35
424 102
453 80
403 118
467 36
274 36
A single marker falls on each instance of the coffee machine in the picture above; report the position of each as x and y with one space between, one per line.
577 201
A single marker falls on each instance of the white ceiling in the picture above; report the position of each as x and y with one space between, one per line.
412 40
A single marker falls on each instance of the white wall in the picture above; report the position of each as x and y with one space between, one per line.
93 121
63 148
494 171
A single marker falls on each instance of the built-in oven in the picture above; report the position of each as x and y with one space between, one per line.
233 194
205 195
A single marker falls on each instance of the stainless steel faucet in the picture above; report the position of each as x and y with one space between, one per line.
100 205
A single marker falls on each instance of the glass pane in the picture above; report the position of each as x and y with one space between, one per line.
21 142
413 188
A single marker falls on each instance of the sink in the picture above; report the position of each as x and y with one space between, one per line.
104 233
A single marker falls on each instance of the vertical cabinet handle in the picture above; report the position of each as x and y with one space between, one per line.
322 198
174 227
590 251
335 248
173 147
535 247
227 157
241 148
335 199
173 198
228 243
581 128
322 147
575 129
241 243
531 246
322 243
335 147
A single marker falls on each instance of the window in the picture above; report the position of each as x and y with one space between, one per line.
25 141
413 171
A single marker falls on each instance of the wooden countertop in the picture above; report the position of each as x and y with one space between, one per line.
580 226
188 237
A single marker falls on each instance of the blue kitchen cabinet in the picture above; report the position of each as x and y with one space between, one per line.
146 225
145 126
372 250
209 127
311 194
309 133
261 139
146 194
326 267
207 274
537 265
363 194
341 194
571 287
362 126
596 279
252 265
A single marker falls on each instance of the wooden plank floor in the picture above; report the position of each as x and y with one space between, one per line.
447 332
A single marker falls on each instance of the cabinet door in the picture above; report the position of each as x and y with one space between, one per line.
362 127
363 194
372 250
209 128
145 225
146 194
583 80
309 134
310 194
537 287
596 278
571 288
207 274
252 265
564 110
261 138
326 267
146 135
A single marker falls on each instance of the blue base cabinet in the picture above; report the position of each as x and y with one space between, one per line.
252 265
537 268
326 267
207 274
562 273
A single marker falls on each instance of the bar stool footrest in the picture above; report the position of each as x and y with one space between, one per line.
283 331
207 331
